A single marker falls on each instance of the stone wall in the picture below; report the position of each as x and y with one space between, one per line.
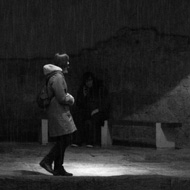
140 49
147 74
40 28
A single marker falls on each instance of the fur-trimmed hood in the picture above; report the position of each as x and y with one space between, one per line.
49 68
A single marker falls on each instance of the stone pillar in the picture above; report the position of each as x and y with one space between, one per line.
164 137
44 131
106 139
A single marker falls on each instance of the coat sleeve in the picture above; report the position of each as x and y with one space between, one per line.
60 89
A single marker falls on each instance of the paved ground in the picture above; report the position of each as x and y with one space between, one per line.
144 165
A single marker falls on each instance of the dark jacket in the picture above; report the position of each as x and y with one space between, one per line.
97 98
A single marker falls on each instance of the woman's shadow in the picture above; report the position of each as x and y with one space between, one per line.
27 172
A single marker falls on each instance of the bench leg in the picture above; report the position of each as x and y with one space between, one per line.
105 135
44 131
163 137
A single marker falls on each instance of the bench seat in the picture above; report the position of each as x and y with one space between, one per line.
163 132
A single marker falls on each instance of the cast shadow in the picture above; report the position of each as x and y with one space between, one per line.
27 172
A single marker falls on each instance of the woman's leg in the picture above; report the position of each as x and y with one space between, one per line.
47 161
62 143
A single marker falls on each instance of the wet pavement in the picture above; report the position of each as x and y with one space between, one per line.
122 164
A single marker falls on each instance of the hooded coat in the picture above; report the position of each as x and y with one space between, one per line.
60 120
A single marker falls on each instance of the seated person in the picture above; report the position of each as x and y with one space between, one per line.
92 109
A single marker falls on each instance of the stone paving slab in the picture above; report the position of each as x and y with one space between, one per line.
19 164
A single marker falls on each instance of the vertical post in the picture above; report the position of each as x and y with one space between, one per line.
44 131
162 140
105 135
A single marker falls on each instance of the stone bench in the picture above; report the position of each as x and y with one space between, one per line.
105 134
162 133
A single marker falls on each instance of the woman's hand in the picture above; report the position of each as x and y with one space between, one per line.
69 99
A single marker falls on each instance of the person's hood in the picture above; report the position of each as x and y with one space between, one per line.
49 68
